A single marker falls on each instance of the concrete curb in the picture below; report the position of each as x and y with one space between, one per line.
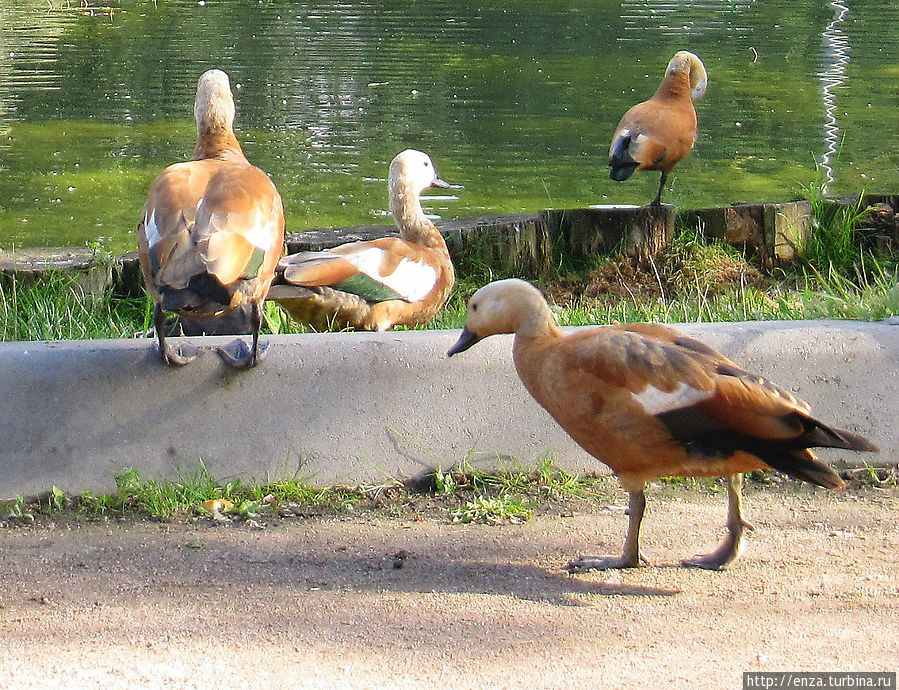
367 407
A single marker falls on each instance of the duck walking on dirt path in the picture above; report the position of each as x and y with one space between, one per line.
650 402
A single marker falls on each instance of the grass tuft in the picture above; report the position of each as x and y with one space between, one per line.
58 308
470 496
492 510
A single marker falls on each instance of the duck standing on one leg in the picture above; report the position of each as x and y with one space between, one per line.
658 133
212 231
650 402
381 283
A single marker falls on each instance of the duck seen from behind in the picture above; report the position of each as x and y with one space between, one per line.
381 283
649 401
211 232
658 133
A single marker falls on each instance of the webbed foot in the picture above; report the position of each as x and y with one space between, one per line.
238 355
585 564
725 554
184 353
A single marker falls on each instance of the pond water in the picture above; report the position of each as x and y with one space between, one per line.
516 101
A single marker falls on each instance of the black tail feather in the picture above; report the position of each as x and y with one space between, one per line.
204 293
620 173
622 163
802 464
821 436
702 436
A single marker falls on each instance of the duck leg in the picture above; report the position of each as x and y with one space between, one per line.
658 200
236 354
631 557
176 357
729 549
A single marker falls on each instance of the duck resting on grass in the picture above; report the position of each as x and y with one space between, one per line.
649 401
375 285
211 233
658 133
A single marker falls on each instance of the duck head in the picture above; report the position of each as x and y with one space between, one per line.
686 62
214 106
413 171
504 306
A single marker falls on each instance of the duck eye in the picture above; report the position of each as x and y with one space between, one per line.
427 164
474 307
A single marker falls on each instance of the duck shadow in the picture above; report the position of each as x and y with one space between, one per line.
424 573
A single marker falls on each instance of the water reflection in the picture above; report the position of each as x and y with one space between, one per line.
28 54
680 18
514 100
834 59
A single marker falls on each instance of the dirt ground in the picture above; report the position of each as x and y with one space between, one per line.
315 603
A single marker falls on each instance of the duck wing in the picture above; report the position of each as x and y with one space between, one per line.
377 271
708 404
207 227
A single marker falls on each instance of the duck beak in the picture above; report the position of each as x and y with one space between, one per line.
465 341
440 183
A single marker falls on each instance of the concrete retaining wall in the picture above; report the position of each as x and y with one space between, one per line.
357 407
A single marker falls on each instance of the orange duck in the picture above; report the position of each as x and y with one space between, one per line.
649 402
381 283
212 232
656 134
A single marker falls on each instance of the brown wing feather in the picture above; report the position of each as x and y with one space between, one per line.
316 268
334 265
169 216
668 127
222 218
635 356
754 406
240 226
310 299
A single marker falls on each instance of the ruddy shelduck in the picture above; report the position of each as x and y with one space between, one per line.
649 401
212 232
381 283
658 133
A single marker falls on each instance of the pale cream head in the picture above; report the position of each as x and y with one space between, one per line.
214 106
505 306
412 171
684 60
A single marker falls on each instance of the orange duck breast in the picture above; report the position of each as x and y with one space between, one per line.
212 231
649 401
658 133
378 284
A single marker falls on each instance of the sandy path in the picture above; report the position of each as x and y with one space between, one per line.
318 603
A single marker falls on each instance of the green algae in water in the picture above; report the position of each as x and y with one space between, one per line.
515 101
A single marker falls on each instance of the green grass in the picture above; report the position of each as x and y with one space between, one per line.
464 494
59 308
492 510
460 495
693 280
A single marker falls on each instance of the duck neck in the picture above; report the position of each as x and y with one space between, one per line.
530 345
675 85
217 142
537 322
413 224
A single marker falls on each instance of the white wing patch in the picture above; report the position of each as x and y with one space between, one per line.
262 233
656 401
151 230
637 143
414 280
